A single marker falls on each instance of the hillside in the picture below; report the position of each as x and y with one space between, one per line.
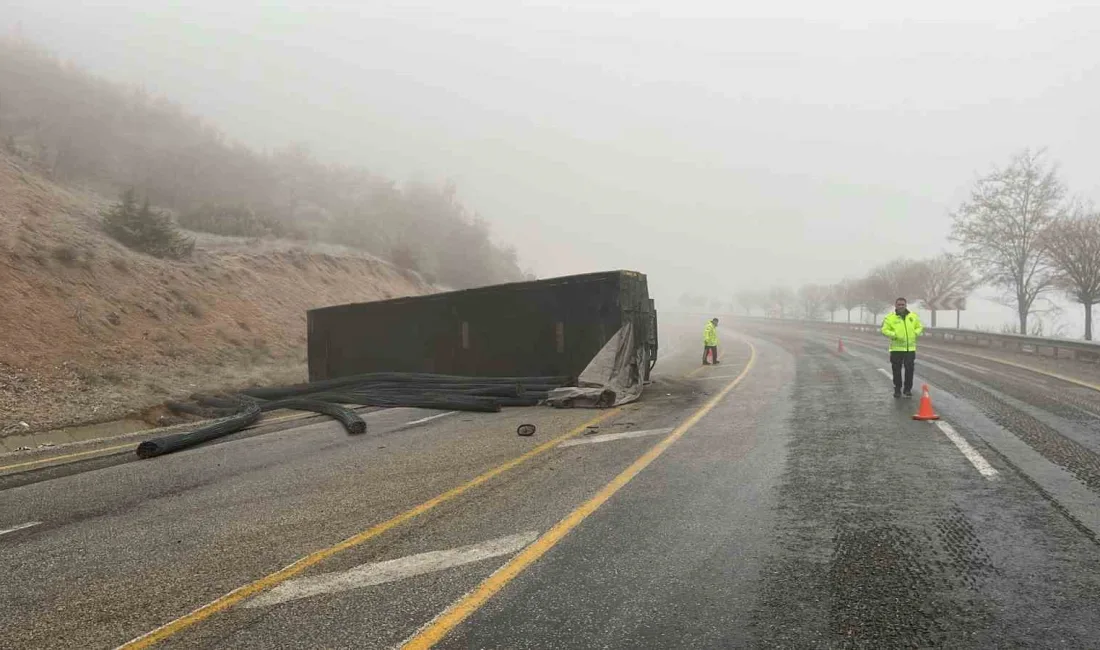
82 130
90 330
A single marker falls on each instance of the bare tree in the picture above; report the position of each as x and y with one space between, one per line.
865 298
944 276
1074 247
870 296
1001 227
888 282
812 299
782 299
748 300
898 279
830 301
846 294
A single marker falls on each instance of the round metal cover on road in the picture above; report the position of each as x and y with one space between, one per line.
526 430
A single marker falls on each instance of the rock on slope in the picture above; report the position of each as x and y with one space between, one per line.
90 330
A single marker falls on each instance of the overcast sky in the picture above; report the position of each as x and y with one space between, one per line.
709 144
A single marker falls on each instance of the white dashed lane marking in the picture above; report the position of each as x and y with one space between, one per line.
29 524
379 573
608 437
976 459
428 419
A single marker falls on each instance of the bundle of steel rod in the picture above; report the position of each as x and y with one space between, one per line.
332 397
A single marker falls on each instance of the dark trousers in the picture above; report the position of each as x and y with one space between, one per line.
712 350
906 360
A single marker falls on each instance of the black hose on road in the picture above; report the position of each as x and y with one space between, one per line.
218 429
419 380
519 401
347 417
380 389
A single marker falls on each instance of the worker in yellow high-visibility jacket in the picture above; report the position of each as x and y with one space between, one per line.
710 341
902 327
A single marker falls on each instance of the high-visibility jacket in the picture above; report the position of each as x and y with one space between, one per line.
902 332
710 335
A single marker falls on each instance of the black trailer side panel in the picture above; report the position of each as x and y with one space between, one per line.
547 327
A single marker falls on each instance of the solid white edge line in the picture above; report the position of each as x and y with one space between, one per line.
976 459
388 571
979 463
29 524
608 437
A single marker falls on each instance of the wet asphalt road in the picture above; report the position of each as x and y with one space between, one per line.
800 508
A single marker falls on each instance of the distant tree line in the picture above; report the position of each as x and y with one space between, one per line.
872 295
1018 232
78 128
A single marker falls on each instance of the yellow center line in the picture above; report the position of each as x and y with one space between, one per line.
53 459
104 450
437 629
282 575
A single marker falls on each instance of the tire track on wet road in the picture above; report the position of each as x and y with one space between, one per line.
872 552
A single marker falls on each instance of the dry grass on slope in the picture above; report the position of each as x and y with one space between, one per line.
90 330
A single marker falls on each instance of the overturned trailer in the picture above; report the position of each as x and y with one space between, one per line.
599 329
586 340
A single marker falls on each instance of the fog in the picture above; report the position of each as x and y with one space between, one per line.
711 145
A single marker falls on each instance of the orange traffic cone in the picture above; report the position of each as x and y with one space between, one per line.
925 411
840 346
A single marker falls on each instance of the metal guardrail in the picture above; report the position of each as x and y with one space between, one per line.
1054 348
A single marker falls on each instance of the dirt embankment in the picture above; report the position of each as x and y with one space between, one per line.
90 330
